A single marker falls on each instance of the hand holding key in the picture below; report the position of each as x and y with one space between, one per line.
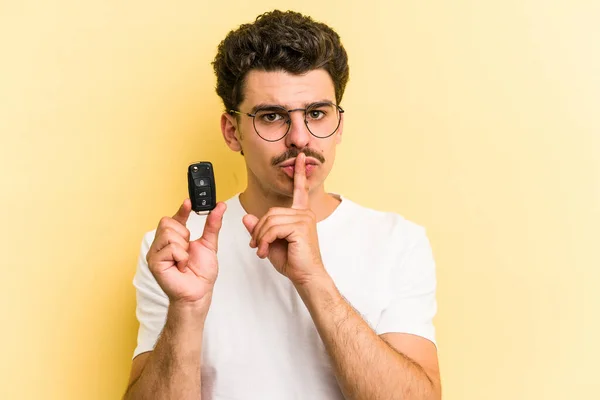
186 270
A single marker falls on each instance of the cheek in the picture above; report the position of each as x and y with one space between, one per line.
337 136
259 155
329 151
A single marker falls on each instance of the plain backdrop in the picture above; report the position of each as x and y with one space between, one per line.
476 119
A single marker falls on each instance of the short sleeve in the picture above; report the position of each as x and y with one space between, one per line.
152 302
413 291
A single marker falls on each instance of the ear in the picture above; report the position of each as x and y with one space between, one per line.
338 134
230 132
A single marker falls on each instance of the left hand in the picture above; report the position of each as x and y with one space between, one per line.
288 236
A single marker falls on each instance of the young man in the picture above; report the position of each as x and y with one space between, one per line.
293 292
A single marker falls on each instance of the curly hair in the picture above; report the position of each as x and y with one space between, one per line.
276 41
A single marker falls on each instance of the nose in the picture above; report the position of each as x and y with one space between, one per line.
298 136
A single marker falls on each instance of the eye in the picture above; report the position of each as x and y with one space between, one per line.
270 117
316 114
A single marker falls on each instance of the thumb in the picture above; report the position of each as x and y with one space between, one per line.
212 226
250 222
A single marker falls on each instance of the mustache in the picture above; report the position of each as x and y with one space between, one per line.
293 153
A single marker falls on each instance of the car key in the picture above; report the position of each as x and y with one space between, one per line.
201 187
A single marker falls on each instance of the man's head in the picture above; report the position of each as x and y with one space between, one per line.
286 60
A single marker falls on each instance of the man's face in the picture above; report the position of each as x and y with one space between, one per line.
271 164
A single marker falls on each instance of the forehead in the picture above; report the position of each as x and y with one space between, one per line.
288 90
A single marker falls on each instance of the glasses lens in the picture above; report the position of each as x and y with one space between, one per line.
271 124
322 119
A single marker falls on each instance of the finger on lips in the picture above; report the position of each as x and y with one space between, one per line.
278 222
300 188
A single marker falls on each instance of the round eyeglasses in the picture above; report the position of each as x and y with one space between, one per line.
272 123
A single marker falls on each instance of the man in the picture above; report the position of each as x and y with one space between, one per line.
293 293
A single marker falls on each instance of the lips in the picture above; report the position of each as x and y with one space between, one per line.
289 171
289 168
292 162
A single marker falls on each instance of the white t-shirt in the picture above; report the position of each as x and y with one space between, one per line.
260 342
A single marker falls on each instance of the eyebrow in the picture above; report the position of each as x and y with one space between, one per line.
271 106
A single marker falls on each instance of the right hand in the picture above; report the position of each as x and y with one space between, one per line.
186 271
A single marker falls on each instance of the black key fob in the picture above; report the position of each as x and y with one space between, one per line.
201 187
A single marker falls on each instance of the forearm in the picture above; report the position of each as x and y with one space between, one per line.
172 370
366 367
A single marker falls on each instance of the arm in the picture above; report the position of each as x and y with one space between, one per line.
366 365
172 370
186 272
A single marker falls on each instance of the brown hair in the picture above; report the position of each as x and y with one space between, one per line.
277 40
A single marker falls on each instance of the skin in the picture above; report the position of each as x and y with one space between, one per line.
282 215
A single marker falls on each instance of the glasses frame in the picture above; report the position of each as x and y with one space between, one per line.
289 121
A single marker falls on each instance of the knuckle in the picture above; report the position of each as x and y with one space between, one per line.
164 221
152 259
168 248
274 211
174 247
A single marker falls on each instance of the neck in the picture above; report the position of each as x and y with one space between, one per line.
257 201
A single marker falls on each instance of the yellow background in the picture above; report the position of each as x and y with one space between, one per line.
477 119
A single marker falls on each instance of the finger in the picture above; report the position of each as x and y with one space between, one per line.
167 256
273 220
170 223
167 236
250 222
214 221
300 188
183 213
271 213
273 233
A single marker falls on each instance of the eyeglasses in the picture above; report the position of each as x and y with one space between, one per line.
272 123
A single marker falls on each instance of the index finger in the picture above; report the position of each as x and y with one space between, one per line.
300 187
183 213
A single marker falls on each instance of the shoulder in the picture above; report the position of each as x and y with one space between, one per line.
387 225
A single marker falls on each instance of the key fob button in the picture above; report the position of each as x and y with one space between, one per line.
201 182
202 193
